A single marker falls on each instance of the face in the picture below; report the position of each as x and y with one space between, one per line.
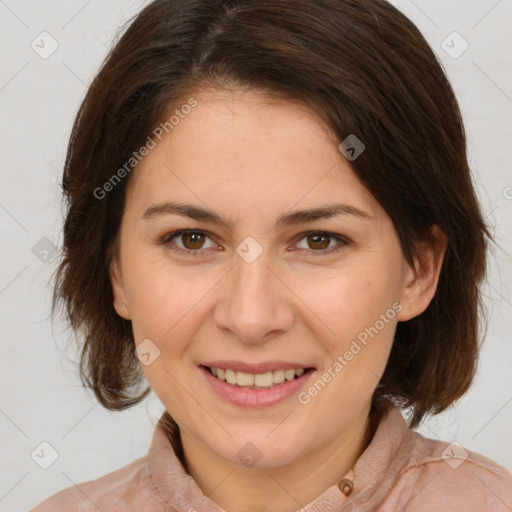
263 288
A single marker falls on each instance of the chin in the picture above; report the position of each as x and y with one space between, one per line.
259 449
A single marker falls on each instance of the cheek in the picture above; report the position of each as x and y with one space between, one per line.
163 296
361 315
166 309
348 302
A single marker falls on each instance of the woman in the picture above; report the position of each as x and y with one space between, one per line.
271 219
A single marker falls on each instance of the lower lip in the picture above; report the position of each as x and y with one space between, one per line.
256 398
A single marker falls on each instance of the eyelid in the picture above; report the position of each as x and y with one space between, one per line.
166 240
323 252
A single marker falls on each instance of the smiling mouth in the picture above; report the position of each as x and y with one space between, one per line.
266 380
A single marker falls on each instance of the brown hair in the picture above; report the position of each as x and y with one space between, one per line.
368 71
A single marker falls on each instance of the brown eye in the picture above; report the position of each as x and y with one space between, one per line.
192 240
318 241
192 243
188 243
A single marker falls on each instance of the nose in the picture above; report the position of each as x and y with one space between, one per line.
254 304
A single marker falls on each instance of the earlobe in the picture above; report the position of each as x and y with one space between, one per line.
420 282
118 291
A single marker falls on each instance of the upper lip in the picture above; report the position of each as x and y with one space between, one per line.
263 367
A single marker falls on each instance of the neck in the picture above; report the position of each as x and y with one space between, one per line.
285 488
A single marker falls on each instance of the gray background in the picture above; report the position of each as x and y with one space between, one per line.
41 396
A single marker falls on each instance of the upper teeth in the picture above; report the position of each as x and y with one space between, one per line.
260 379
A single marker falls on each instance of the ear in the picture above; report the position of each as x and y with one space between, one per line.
118 290
420 282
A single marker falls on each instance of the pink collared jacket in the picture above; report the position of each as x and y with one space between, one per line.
400 471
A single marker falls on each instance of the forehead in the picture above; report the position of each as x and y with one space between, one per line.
241 150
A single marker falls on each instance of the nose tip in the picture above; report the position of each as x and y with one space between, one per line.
254 302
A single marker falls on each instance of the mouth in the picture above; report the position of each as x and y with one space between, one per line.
256 384
255 381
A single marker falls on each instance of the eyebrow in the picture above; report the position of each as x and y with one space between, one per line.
289 219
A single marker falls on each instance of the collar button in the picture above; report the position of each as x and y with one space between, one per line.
346 486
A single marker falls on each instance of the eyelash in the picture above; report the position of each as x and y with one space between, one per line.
166 240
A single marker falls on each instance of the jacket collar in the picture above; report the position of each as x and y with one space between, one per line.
375 468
